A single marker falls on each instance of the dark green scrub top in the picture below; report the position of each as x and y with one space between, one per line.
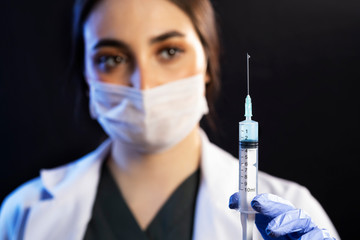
112 218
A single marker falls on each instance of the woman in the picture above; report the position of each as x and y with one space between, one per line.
150 68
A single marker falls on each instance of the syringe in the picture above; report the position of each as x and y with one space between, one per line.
248 162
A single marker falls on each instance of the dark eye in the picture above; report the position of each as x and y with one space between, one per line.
169 53
107 62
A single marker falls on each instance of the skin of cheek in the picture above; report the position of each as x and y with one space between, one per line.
201 60
89 72
192 62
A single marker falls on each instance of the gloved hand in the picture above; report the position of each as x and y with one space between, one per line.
279 219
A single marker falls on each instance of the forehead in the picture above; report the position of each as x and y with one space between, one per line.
129 19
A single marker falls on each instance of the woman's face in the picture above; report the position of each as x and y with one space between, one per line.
141 44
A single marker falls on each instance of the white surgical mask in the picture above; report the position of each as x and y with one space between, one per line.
152 120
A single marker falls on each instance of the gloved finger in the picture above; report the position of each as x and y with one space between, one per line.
317 234
271 205
262 222
234 201
294 223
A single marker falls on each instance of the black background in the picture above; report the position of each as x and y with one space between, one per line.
305 61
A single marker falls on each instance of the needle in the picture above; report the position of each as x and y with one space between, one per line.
248 85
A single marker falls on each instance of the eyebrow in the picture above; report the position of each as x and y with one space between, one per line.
108 42
165 36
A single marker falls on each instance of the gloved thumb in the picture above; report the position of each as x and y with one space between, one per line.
234 201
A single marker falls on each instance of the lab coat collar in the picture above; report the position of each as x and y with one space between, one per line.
70 194
62 179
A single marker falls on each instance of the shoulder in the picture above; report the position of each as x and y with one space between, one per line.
281 187
24 195
58 180
225 172
299 196
15 205
29 192
49 180
228 166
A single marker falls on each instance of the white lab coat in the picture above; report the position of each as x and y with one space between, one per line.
58 204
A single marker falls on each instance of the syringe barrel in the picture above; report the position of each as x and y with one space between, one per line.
248 162
248 131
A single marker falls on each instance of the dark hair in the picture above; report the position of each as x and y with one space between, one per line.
202 16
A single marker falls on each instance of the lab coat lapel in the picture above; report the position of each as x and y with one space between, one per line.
213 218
70 194
44 221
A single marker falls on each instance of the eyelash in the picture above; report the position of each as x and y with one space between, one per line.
175 52
116 59
102 61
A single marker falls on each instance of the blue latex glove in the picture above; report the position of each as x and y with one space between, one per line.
279 219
